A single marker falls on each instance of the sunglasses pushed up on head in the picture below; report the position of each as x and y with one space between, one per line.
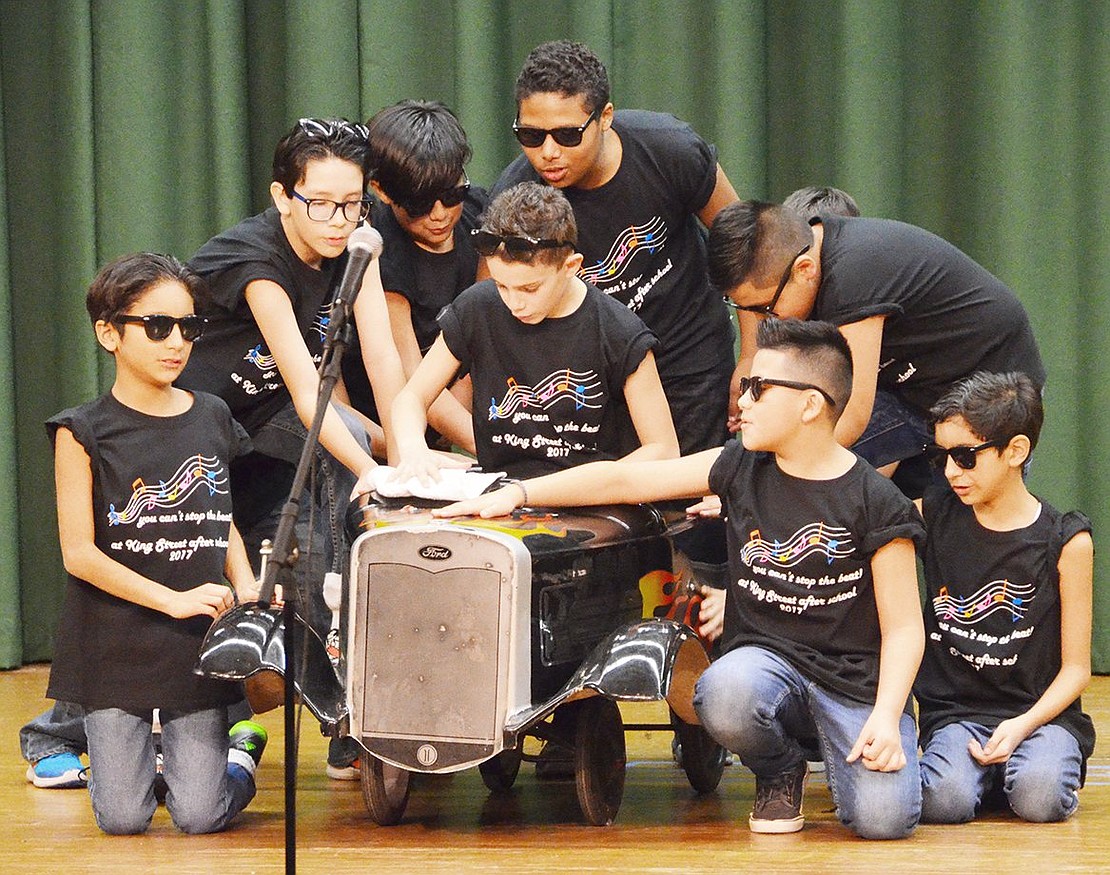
517 247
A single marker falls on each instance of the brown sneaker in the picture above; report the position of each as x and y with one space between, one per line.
778 802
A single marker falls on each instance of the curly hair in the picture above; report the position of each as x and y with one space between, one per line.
533 210
567 68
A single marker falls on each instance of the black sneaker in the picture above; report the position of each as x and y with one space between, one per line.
248 740
778 802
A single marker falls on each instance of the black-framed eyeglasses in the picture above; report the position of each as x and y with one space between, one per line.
422 204
769 309
964 456
321 209
757 385
519 247
530 138
158 326
325 129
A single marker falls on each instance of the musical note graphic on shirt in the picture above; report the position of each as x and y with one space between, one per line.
261 360
998 595
831 542
195 472
632 240
582 387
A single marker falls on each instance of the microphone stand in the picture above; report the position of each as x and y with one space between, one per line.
283 558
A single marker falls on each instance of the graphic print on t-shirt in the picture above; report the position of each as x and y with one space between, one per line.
833 542
769 563
193 473
970 626
630 242
581 387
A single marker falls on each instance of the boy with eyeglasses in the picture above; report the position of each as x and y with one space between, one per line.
918 313
562 374
425 209
642 184
147 538
820 626
273 277
1008 583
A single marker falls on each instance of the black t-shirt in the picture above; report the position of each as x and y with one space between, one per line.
162 507
232 360
551 395
429 281
992 617
800 564
643 243
946 316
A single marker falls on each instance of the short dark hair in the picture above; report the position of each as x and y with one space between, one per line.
416 148
814 200
753 240
316 139
566 68
997 407
123 281
819 348
533 210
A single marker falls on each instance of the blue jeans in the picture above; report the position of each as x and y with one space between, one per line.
204 791
59 729
1039 781
756 704
895 432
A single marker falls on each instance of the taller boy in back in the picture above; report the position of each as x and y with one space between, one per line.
821 622
638 182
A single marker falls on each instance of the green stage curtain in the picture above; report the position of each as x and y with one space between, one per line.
150 124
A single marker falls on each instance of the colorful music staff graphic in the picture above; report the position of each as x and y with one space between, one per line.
194 473
639 238
831 542
998 595
583 388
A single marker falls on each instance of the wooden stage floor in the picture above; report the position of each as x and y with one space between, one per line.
454 825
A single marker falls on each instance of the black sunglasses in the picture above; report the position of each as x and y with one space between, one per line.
521 248
769 309
964 457
530 138
421 204
159 326
756 385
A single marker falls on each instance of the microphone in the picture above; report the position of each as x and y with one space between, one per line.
364 245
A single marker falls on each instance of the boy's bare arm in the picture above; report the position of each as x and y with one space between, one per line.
87 562
865 339
1076 567
650 414
894 571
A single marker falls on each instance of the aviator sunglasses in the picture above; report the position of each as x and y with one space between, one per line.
964 457
756 385
523 248
159 326
530 138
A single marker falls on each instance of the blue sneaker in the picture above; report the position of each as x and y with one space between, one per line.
59 771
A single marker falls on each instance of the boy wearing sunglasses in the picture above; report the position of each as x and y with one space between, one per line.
425 209
1008 616
144 520
642 184
820 626
562 374
918 313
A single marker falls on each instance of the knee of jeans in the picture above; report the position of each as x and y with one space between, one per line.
726 704
1040 796
123 821
882 810
195 819
947 801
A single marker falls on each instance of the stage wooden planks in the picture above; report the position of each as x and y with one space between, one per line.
454 825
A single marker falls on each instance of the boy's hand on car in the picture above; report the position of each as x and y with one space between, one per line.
206 600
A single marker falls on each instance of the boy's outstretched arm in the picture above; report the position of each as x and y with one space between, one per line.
1076 567
865 339
894 571
87 562
621 482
